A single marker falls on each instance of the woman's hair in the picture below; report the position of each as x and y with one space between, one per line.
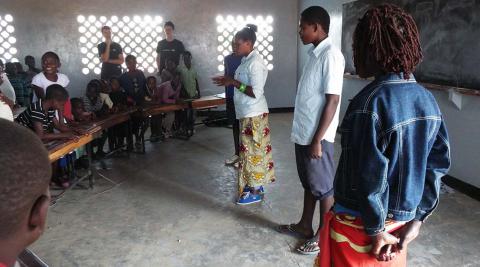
248 33
389 36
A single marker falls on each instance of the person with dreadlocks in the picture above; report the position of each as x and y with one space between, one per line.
395 149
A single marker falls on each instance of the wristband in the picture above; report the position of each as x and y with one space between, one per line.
242 88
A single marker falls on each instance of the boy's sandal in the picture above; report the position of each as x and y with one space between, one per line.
310 247
289 230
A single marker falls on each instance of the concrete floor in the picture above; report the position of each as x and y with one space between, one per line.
175 206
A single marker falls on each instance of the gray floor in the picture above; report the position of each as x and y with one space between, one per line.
175 206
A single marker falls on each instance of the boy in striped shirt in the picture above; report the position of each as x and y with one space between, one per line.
40 115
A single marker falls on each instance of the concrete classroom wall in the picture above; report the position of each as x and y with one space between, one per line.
46 25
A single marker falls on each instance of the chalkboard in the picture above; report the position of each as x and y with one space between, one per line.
449 34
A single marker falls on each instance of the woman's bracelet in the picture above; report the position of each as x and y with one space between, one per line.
242 88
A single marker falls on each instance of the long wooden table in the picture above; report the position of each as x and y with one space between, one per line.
58 149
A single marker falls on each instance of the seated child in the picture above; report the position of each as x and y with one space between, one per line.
19 84
118 95
78 111
118 133
49 76
155 121
24 190
190 90
134 83
40 115
93 103
104 93
189 78
168 93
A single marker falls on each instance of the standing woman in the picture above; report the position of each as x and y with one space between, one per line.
256 162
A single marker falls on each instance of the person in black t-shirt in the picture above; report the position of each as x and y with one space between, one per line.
169 47
111 54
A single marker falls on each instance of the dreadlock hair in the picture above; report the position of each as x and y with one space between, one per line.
389 36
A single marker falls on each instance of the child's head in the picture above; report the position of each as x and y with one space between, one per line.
11 68
131 62
114 84
30 61
169 28
58 95
19 67
386 40
170 65
187 59
151 82
24 196
50 63
166 75
245 39
104 87
314 24
93 90
77 107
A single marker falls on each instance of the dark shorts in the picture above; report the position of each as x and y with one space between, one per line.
231 111
316 175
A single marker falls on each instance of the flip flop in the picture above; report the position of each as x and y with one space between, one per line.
289 230
310 247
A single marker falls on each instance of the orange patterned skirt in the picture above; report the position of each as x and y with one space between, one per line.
343 242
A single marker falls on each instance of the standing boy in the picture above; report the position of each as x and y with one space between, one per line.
40 115
395 149
315 123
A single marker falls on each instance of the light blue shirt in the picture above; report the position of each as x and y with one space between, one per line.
251 72
321 75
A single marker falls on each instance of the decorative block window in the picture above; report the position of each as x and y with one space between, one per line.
228 25
8 52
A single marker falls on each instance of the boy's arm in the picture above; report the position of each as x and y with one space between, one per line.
38 91
326 119
38 127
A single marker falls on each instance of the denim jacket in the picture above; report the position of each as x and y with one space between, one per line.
395 150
